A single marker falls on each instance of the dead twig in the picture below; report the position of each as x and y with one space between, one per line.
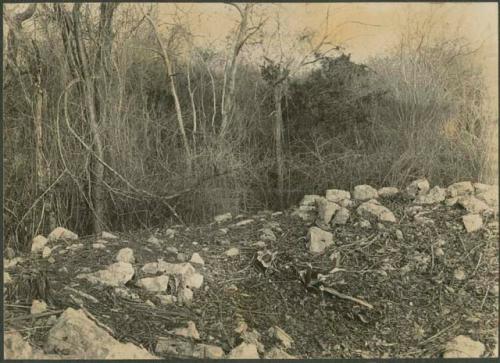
347 297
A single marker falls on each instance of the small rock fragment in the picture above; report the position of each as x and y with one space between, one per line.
244 222
309 200
285 339
387 192
364 192
341 217
193 281
188 332
223 217
154 284
268 235
278 353
399 234
125 293
439 252
459 274
196 258
459 189
232 252
115 275
185 296
181 257
38 243
472 222
38 307
9 253
418 187
464 347
319 240
107 235
98 246
260 244
450 202
61 233
15 347
46 252
435 195
6 278
170 233
172 250
166 299
244 351
208 351
374 210
125 255
336 195
473 204
326 210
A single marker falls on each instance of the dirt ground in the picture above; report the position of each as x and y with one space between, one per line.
419 300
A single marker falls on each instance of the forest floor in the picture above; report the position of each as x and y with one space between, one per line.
420 300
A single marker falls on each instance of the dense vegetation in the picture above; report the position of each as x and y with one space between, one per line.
113 122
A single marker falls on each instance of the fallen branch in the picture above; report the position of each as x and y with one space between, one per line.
34 316
347 297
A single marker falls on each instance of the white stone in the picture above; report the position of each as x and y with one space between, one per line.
278 353
223 217
375 211
193 281
490 198
319 240
309 200
126 293
306 213
435 195
336 195
185 296
341 217
208 352
399 234
150 268
166 299
450 202
418 187
244 351
459 274
196 258
154 284
170 233
285 339
423 220
244 222
482 188
38 243
472 222
153 240
464 347
188 332
232 252
98 246
107 235
346 203
38 307
260 244
75 247
61 233
116 275
364 192
74 333
473 204
125 255
15 347
326 210
46 252
172 250
459 189
365 224
387 192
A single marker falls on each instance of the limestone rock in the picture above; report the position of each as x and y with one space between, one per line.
244 222
418 187
185 296
38 243
371 210
387 192
336 195
61 233
326 210
154 284
46 252
154 241
232 252
170 233
268 235
166 299
285 339
260 244
309 200
150 268
364 192
422 219
193 281
196 258
319 240
459 189
464 347
435 195
125 255
305 212
125 293
74 333
278 353
223 217
472 222
181 257
482 188
15 347
208 351
399 235
9 253
459 274
188 332
473 204
244 351
38 307
98 246
107 235
450 202
341 217
115 275
490 197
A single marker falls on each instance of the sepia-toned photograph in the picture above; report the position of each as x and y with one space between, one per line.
220 180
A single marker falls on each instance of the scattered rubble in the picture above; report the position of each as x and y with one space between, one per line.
232 252
125 255
472 222
61 233
387 192
115 275
244 351
364 192
38 243
464 347
38 307
373 210
154 284
319 240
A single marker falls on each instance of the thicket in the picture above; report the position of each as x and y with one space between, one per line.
416 111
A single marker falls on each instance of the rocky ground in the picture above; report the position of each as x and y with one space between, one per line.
379 273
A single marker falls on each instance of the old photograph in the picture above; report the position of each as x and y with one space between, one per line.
218 180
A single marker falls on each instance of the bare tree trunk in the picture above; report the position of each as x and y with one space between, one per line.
278 138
